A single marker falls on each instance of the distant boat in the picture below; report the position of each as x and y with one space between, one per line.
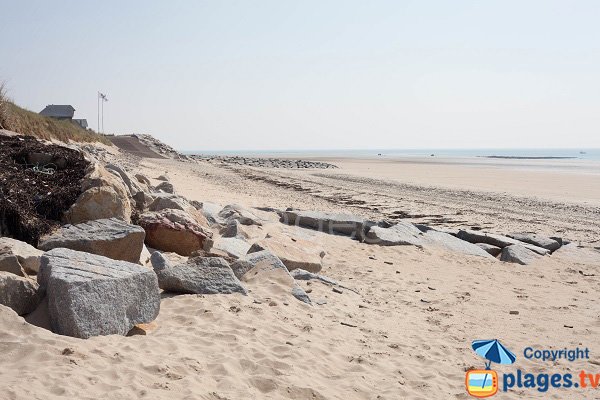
582 152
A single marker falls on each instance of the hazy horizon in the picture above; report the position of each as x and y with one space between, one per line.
284 76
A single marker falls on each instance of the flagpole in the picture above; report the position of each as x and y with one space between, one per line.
98 112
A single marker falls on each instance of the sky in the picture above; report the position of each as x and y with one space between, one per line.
294 75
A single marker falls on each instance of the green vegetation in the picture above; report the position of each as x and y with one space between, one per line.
17 119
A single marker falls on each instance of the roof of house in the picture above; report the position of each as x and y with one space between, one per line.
58 111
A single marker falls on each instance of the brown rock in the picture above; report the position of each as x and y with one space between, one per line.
174 231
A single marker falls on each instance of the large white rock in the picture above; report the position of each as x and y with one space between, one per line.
91 295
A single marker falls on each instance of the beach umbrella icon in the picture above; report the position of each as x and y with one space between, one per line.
493 351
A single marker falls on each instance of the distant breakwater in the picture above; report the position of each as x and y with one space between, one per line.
265 162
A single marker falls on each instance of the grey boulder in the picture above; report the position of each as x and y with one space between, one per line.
90 295
159 262
401 234
112 238
20 294
496 240
344 224
537 240
200 275
518 254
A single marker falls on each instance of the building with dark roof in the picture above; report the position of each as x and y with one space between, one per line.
58 111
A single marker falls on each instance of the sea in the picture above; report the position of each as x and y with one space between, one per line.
580 154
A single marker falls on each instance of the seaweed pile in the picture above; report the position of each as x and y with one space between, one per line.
38 182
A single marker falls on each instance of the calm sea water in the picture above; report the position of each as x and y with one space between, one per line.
582 154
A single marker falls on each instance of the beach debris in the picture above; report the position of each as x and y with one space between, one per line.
267 268
490 249
163 178
112 238
512 312
301 274
19 257
142 329
33 203
518 254
200 275
337 290
174 231
91 295
344 224
19 293
347 324
293 252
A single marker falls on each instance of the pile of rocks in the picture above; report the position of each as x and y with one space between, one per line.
265 162
521 248
124 240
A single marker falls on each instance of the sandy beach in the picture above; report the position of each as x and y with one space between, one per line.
401 329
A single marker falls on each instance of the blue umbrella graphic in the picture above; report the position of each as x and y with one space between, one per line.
493 351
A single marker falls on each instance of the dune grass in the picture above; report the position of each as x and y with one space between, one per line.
20 120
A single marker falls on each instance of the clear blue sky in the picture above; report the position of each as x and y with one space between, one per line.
315 74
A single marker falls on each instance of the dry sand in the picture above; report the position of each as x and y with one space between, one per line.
412 322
